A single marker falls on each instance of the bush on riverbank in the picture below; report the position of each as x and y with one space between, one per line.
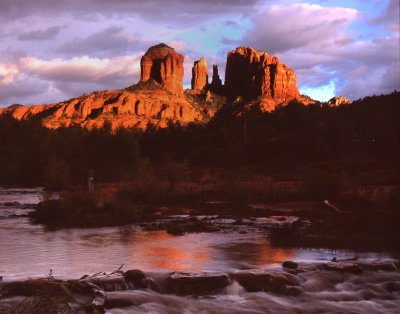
84 210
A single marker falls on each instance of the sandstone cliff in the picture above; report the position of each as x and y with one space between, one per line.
200 74
255 74
158 98
164 65
136 107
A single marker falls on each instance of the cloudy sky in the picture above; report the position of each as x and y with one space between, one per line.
53 50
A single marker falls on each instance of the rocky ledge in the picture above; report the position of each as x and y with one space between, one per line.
94 294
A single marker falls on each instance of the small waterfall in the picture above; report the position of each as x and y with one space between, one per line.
234 289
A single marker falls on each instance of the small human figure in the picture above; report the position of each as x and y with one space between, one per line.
91 180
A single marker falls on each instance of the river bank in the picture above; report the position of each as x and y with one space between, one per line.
341 223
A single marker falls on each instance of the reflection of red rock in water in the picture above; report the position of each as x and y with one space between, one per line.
161 250
168 252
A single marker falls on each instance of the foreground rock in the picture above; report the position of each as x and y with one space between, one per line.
198 283
94 294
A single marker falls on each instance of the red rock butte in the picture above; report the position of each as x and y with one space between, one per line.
165 66
254 74
200 74
159 98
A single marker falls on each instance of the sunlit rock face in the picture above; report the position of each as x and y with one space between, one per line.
120 108
338 101
165 66
200 74
255 74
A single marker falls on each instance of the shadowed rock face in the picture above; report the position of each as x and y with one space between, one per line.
216 83
251 74
200 74
165 66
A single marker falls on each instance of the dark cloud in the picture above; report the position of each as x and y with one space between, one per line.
24 91
110 41
151 8
40 34
391 13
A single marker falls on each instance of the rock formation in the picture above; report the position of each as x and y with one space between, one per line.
338 101
159 99
199 74
216 83
252 74
165 66
135 107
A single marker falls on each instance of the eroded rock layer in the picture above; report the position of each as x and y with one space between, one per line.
121 108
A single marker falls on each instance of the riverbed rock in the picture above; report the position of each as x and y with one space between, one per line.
200 74
267 281
181 227
290 264
197 283
343 268
164 65
255 74
134 275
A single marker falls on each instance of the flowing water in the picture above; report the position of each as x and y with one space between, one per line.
28 250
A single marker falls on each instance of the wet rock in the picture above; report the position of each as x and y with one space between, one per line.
118 302
134 275
391 286
290 264
114 283
378 266
137 277
10 204
343 268
197 283
254 281
176 230
190 226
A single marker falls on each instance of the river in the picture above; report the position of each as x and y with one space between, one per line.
30 251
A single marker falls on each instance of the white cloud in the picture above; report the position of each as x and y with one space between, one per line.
83 69
320 45
8 72
281 28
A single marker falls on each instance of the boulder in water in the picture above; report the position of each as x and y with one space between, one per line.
197 283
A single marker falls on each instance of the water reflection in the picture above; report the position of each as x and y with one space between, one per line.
31 250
